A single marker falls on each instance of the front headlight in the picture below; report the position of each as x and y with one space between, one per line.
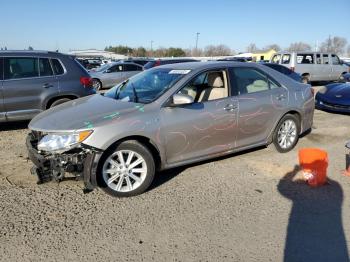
62 142
323 90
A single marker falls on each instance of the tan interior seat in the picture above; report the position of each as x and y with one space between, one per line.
257 85
216 88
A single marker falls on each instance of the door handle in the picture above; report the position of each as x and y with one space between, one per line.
281 97
230 107
47 85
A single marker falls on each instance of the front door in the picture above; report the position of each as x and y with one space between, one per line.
260 99
26 81
205 127
115 75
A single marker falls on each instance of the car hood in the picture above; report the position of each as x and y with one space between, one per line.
83 113
336 94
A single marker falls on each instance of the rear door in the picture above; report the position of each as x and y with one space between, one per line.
327 67
2 109
115 75
259 100
27 82
320 73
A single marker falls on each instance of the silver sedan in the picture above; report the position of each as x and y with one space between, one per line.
110 74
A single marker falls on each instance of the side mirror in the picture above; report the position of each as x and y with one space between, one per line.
108 71
182 99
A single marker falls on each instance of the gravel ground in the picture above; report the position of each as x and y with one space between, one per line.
236 208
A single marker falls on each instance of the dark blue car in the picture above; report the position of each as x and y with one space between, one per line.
334 98
284 70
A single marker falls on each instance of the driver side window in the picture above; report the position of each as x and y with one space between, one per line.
211 85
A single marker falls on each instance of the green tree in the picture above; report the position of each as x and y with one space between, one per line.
175 52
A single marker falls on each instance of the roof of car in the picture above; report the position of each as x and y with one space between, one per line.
206 65
30 53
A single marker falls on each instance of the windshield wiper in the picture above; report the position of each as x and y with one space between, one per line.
136 99
119 89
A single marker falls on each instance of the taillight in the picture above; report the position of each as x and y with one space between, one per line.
292 68
86 81
157 63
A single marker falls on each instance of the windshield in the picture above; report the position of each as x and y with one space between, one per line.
147 86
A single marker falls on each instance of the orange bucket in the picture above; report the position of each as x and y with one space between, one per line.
314 163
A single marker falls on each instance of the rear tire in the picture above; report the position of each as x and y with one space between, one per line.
97 84
341 78
286 134
59 101
126 169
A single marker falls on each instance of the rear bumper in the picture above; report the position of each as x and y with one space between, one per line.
81 162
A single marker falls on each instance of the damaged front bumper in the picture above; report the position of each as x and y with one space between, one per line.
81 161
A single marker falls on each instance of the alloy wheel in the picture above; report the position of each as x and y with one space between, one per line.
287 133
124 171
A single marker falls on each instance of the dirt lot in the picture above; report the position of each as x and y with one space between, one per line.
231 209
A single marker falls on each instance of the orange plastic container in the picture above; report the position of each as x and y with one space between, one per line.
314 163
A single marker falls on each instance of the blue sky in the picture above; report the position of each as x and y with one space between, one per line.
82 24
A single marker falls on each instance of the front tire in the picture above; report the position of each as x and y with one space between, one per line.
126 170
286 134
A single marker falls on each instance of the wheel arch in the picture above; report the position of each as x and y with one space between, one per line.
147 142
55 98
289 112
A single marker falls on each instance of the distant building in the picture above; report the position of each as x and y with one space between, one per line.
94 53
263 55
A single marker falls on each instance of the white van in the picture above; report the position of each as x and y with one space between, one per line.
313 66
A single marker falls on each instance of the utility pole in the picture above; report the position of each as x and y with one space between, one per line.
152 48
197 35
329 43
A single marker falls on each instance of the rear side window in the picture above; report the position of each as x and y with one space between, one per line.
57 67
325 59
128 67
318 59
45 67
249 80
305 58
285 59
20 67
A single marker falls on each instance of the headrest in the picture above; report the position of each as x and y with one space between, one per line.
215 80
